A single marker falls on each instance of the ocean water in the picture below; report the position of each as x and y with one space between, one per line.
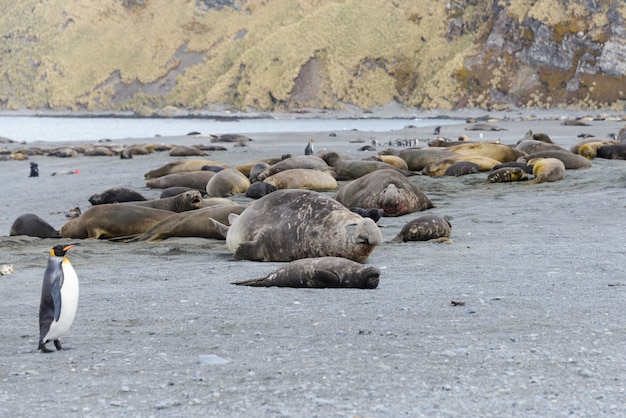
56 129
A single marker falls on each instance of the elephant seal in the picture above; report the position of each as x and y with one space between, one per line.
116 195
418 158
385 189
113 220
499 152
532 146
185 151
613 152
547 170
192 224
288 225
228 182
373 213
461 168
257 169
33 226
320 273
439 168
481 126
354 169
173 191
589 150
180 166
590 139
394 161
424 228
194 179
230 138
507 175
303 178
183 202
259 189
521 164
572 161
299 161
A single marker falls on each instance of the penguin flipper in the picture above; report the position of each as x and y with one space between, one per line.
55 291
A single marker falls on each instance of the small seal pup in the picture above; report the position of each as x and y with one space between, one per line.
59 298
320 273
425 228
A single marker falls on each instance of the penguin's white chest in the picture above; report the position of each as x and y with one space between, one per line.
69 303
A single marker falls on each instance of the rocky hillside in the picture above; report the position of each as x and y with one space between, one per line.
161 55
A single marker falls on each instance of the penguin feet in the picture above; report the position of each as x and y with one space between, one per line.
43 348
57 344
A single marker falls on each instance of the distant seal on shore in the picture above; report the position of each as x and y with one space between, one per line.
116 195
113 220
287 225
320 273
547 170
181 166
385 189
507 175
228 182
194 179
418 158
33 226
481 126
185 151
424 228
189 200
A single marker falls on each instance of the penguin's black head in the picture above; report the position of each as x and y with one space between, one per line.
60 250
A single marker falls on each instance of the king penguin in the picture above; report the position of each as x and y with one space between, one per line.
309 148
59 298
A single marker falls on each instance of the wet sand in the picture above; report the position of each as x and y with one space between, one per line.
160 331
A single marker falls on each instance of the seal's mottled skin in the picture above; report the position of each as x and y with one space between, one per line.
288 225
320 272
507 175
384 189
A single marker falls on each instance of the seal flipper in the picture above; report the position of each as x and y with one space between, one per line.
220 227
248 250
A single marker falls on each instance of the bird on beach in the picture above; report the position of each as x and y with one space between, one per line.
59 298
437 130
309 148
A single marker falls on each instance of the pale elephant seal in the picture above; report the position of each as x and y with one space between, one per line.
292 224
320 273
116 195
384 189
547 170
33 226
182 202
193 179
226 183
113 220
424 228
418 158
350 169
507 175
299 161
304 179
180 166
439 168
499 152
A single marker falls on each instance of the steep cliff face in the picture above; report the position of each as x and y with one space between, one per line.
151 55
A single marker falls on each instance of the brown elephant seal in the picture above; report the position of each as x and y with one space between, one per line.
288 225
575 148
230 138
303 178
521 164
571 161
589 150
438 168
299 161
226 183
354 169
613 152
507 175
320 273
461 168
499 152
183 202
116 195
192 224
181 166
532 146
394 161
259 189
256 169
185 151
418 158
384 189
113 220
194 179
574 122
373 213
33 226
547 170
482 126
173 191
424 228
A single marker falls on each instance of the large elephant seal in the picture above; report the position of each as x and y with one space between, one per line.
299 161
507 175
226 183
116 195
547 170
385 189
418 158
439 168
113 220
572 161
193 179
288 225
183 202
499 152
192 224
532 146
185 151
424 228
320 273
303 178
613 152
33 226
181 166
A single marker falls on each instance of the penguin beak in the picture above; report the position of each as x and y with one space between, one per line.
67 248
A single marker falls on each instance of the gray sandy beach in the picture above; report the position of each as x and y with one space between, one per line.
536 274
